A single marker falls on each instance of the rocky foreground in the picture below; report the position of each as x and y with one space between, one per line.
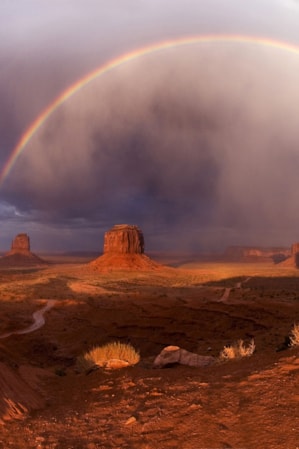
251 403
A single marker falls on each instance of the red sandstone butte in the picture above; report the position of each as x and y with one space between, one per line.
293 260
20 254
124 250
21 244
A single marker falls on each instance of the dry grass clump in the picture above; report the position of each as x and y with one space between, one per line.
237 351
294 337
101 355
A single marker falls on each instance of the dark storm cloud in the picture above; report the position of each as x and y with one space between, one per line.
197 145
199 141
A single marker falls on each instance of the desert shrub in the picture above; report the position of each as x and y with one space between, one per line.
237 351
99 355
60 372
294 337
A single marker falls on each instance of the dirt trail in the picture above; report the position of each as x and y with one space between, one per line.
38 320
17 397
228 290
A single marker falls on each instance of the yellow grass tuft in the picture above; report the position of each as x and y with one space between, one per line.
100 355
237 351
294 337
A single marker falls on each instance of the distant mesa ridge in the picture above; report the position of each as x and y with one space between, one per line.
20 254
124 250
288 257
256 254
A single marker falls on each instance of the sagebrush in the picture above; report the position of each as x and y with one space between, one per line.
237 350
294 336
99 355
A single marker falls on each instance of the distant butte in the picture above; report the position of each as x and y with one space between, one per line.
20 245
124 250
20 254
293 260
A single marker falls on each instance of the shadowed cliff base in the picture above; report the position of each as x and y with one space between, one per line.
17 397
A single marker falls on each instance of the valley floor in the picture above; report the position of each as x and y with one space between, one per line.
249 403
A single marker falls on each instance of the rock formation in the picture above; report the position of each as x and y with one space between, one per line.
20 254
295 254
174 354
256 254
295 248
124 239
124 250
293 259
21 244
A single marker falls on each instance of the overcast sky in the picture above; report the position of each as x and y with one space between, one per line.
198 144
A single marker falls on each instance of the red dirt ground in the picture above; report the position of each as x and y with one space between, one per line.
252 403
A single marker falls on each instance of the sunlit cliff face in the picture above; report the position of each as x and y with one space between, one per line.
199 141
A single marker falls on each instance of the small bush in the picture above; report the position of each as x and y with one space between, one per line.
60 372
237 351
100 355
294 337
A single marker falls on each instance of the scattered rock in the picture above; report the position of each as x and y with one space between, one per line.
130 421
174 354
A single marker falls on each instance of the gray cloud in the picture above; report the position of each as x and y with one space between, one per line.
201 138
198 145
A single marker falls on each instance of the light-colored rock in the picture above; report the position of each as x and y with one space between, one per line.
130 421
175 354
116 364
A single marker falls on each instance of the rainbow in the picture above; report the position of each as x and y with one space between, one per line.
123 59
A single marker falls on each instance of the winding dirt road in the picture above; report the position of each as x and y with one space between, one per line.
38 320
227 290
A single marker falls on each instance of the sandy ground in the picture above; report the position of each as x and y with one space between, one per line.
242 404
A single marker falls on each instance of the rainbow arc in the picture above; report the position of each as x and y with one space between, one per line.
123 59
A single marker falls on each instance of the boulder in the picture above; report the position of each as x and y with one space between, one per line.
174 354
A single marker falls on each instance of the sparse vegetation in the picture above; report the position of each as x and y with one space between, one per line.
99 355
237 350
294 337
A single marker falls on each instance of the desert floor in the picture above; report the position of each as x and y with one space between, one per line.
248 403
